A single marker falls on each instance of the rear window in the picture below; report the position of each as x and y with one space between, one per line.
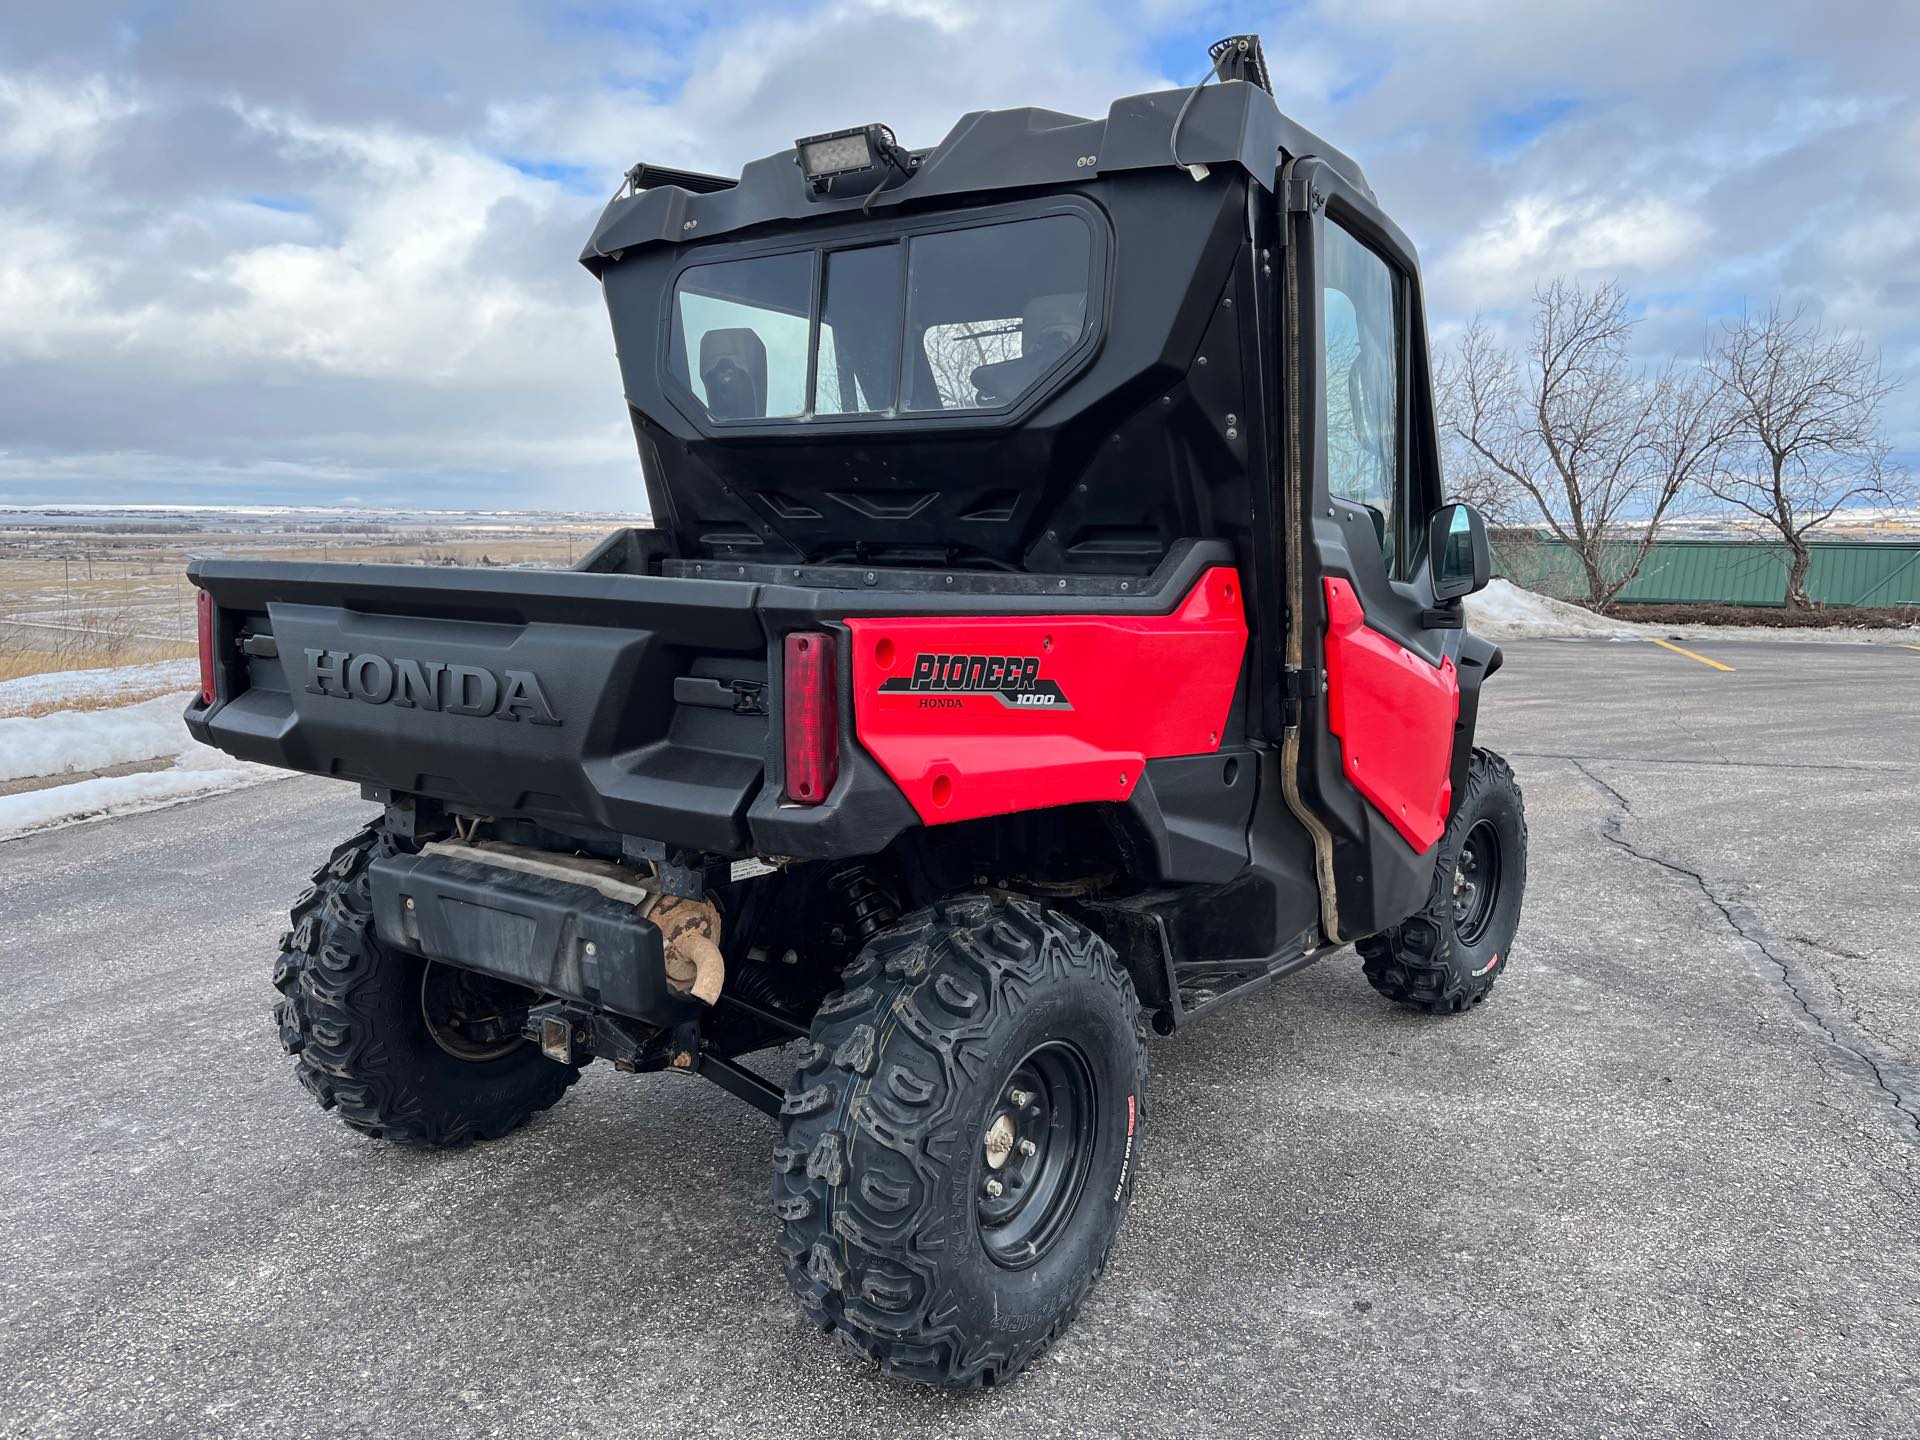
956 320
746 325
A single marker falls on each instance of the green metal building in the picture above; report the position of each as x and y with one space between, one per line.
1726 572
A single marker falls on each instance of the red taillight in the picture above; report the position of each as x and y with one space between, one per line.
207 677
811 704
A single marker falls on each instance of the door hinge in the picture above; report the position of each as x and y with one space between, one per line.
1299 684
1303 197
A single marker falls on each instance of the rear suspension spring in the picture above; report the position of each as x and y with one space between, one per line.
865 908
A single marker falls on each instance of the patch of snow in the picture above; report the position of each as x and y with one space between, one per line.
122 795
32 692
68 741
1504 611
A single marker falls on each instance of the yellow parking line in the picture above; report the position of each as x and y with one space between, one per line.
1678 650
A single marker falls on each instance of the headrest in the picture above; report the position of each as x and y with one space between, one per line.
733 367
1050 325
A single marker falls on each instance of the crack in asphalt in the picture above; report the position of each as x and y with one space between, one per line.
1849 1045
1839 950
1678 718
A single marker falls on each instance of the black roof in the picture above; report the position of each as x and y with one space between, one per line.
1231 123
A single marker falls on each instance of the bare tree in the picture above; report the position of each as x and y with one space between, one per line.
954 351
1804 406
1603 449
1463 379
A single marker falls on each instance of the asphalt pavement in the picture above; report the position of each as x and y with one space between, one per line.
1664 1182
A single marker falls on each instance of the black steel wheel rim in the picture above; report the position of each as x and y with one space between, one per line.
1048 1113
472 1017
1476 882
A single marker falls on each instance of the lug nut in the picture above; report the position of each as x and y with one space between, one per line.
993 1189
1018 1098
1027 1147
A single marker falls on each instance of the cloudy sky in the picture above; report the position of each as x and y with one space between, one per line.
265 251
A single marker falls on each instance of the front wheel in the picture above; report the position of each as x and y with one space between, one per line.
1446 958
960 1139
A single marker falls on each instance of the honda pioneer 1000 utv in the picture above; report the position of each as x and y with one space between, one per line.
1050 630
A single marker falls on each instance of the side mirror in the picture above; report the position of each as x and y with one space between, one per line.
1457 552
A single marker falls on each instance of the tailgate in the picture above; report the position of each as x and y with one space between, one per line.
634 702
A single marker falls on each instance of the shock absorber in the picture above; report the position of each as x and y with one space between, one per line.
865 909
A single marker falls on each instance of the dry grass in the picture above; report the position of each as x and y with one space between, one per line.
16 664
89 597
92 702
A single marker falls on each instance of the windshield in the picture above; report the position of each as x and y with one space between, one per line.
952 320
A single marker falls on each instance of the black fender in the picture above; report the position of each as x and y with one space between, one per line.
1479 658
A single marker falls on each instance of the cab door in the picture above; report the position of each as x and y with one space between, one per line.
1373 661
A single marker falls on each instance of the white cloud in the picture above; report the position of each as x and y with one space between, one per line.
400 292
42 119
397 292
262 247
1537 236
950 17
49 294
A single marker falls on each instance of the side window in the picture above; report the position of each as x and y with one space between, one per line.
1360 301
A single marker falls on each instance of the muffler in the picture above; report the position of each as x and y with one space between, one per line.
581 929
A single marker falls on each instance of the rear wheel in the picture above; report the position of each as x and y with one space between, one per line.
959 1139
406 1050
1446 958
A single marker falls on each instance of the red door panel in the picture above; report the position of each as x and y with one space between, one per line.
1394 714
974 717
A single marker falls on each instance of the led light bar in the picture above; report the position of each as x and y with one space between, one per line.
843 152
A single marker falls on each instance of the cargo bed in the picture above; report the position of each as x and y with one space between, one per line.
644 705
634 703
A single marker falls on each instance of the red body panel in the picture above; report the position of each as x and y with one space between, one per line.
976 717
1394 714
